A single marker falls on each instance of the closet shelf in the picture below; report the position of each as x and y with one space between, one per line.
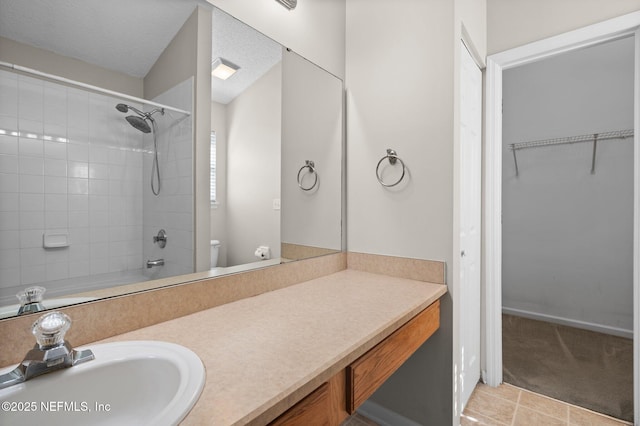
593 137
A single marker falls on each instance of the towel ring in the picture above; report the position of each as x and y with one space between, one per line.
393 157
311 166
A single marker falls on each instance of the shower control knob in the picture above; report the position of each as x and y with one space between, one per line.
161 238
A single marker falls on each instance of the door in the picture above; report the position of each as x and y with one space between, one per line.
470 220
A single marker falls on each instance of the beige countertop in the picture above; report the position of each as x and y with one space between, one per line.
264 353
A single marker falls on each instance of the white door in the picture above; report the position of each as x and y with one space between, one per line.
470 221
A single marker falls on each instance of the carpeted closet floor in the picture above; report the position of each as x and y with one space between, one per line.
581 367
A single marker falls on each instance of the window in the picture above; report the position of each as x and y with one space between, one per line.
213 168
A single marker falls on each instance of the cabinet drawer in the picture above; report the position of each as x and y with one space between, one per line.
369 371
313 410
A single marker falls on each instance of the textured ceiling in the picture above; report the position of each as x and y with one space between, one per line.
129 35
122 35
252 51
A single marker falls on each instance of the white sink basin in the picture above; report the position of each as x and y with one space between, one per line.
128 383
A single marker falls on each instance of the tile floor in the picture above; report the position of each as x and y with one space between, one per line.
508 405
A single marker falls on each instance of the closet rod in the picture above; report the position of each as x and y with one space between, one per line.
593 137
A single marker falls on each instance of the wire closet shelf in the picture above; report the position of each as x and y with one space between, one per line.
592 137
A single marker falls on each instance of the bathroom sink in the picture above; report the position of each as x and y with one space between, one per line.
128 383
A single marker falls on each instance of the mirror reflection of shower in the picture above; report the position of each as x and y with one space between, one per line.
139 122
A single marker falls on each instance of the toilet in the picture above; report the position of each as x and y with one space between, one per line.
215 247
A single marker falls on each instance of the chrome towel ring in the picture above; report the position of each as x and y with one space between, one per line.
312 169
393 158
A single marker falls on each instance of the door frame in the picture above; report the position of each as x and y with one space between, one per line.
623 26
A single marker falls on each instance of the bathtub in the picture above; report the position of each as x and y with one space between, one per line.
60 288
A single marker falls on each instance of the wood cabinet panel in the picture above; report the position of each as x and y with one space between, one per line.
313 410
369 371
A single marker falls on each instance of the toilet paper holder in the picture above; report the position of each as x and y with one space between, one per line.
263 253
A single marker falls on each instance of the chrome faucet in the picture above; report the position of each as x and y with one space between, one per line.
51 352
31 300
157 262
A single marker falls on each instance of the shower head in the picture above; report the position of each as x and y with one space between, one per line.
126 108
139 123
122 108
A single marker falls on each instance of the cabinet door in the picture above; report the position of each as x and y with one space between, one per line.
313 410
368 372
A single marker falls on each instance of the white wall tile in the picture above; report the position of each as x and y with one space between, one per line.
30 128
80 238
55 167
30 97
78 169
57 271
79 268
9 258
55 104
9 90
54 149
31 184
57 255
78 252
98 153
9 240
30 147
9 221
33 274
78 152
54 132
55 185
56 220
32 256
31 165
98 171
78 202
8 144
9 183
31 202
78 219
98 187
9 277
8 163
9 201
56 202
31 220
78 186
31 238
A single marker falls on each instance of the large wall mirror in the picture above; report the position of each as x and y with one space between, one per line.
95 163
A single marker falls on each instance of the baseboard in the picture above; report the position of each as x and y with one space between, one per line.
615 331
383 416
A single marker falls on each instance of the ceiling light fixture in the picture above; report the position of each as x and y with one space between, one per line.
223 69
289 4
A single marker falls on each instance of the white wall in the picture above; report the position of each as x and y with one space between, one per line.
567 234
253 169
411 110
314 29
73 69
512 23
311 130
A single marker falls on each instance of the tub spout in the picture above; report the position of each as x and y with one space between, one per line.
152 263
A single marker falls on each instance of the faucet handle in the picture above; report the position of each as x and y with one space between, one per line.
31 295
50 329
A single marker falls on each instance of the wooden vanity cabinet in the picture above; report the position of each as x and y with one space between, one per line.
335 400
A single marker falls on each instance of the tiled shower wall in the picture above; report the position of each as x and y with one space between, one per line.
69 163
